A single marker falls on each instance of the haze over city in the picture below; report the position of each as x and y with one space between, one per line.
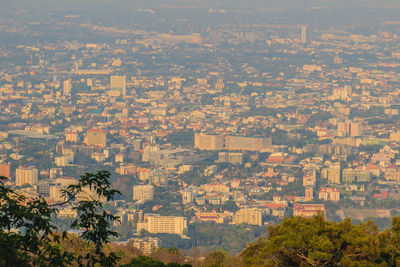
214 119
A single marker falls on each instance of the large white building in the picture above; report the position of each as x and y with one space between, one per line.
26 175
250 216
143 192
118 83
154 223
67 87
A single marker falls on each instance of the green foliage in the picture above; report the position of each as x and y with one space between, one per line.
231 238
143 261
28 236
181 138
230 206
92 218
317 242
26 232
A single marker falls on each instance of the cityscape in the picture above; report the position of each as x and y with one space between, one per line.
215 119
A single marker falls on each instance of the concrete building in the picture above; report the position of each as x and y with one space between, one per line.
247 143
72 137
334 173
329 194
154 223
146 245
5 170
303 34
231 157
395 136
170 158
250 216
208 142
96 137
67 87
308 210
309 177
26 175
188 196
349 129
143 192
309 193
118 84
350 176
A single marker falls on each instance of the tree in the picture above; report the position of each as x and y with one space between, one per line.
92 218
28 236
144 261
317 242
230 206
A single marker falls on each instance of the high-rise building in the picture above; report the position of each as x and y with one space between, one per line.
146 245
72 137
143 192
188 196
154 223
26 175
395 136
350 176
118 83
309 193
5 170
67 87
309 177
355 129
329 194
250 216
334 173
96 137
303 34
208 142
219 142
349 128
247 143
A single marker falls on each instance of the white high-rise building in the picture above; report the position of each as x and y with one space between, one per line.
118 83
143 192
303 34
154 223
26 175
67 87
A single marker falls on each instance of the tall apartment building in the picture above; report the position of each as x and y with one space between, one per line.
154 223
72 137
355 175
334 173
208 142
395 136
303 34
309 193
143 192
329 194
146 245
96 137
5 170
67 87
349 128
219 142
309 177
247 143
118 83
188 196
26 175
250 216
